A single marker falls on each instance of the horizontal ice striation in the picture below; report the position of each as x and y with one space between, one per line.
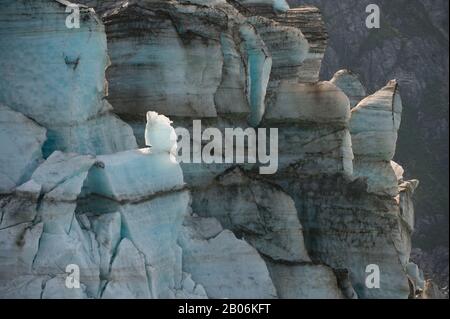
352 213
127 176
305 281
257 211
262 214
116 217
187 61
55 76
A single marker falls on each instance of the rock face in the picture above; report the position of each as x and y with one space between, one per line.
137 224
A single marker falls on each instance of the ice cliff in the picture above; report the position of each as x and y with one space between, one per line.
97 186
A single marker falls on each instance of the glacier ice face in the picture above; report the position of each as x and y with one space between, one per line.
189 67
257 211
204 64
128 278
266 217
129 219
68 67
326 164
347 194
60 167
19 245
107 229
55 288
21 140
134 175
230 97
18 248
153 227
305 281
259 64
59 249
321 103
374 126
206 253
104 134
23 287
64 88
65 240
82 209
287 45
190 289
20 206
159 134
280 6
308 19
350 84
130 252
416 276
375 122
